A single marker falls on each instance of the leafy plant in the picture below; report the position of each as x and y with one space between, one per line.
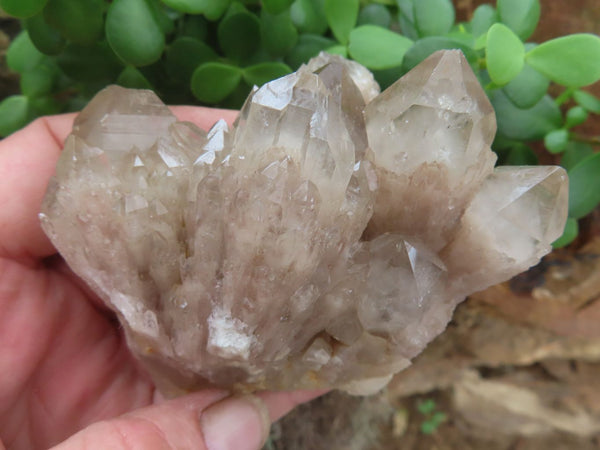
213 51
432 418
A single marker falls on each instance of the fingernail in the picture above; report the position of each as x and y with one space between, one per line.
236 423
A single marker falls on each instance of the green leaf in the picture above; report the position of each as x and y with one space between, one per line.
213 9
83 63
433 17
569 234
22 8
132 78
277 32
163 15
374 14
438 417
184 55
572 61
38 81
76 104
261 55
22 55
428 427
483 18
309 16
589 101
13 114
502 142
576 116
276 6
527 88
429 45
46 39
504 54
521 16
426 406
239 35
194 26
584 186
216 8
80 22
575 152
133 33
341 50
525 124
406 19
377 48
521 155
480 42
308 45
387 77
460 34
236 99
341 16
213 81
556 140
44 106
262 73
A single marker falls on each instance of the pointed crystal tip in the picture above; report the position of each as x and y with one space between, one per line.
323 241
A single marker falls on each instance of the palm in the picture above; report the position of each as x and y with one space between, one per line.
64 363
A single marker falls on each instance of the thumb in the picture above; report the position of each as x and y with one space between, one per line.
209 420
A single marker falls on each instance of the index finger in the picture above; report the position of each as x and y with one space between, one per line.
27 161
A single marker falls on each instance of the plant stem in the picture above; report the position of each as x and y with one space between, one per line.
491 86
566 95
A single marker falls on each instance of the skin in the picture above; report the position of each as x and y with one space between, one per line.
67 377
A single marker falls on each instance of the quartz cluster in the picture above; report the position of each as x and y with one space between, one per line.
323 241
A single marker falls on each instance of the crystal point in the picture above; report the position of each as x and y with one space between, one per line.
430 133
322 241
509 225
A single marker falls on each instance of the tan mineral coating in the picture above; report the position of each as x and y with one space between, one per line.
322 242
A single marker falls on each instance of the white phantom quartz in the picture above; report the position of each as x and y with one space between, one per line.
323 241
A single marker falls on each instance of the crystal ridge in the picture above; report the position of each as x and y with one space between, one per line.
322 241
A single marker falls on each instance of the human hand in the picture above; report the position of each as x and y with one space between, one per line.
65 368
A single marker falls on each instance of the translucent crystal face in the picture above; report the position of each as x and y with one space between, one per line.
322 242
